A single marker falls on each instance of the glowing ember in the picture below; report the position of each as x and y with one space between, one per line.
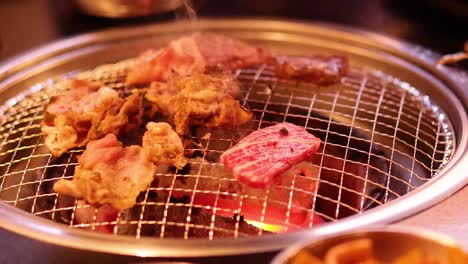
268 227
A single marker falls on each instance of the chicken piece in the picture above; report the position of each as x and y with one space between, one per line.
118 119
193 54
321 70
163 146
109 173
266 153
200 219
161 94
87 112
60 136
204 100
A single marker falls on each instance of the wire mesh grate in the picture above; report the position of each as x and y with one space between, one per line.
381 138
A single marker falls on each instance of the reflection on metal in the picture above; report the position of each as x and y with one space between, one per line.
393 124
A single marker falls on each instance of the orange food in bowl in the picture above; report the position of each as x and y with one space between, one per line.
361 251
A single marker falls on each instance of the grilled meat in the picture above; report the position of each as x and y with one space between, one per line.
207 107
161 96
201 100
322 70
194 54
163 146
266 153
86 112
109 173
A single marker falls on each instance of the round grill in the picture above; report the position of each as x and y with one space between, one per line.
381 139
384 140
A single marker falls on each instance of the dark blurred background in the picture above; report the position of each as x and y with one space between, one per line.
441 25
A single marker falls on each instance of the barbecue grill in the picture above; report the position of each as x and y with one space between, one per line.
394 127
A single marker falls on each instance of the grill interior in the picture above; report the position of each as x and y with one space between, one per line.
381 138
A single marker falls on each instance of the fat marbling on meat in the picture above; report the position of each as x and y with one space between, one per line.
109 173
266 153
195 54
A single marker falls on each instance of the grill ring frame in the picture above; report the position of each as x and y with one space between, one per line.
407 55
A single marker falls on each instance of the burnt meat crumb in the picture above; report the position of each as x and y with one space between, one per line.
284 131
236 216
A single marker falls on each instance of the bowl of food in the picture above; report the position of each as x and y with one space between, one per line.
126 8
378 245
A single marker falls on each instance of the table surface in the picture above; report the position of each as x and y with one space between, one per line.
449 217
440 29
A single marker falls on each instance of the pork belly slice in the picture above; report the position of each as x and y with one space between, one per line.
86 112
266 153
195 54
322 70
163 146
109 174
199 100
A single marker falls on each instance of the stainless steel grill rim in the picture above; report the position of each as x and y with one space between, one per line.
324 228
354 85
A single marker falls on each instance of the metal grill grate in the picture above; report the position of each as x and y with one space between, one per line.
380 137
